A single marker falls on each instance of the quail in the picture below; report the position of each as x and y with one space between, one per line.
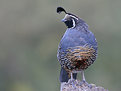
77 49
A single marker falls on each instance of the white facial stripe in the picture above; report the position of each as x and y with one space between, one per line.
74 24
66 16
74 17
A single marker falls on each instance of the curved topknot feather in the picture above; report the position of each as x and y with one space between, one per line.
60 9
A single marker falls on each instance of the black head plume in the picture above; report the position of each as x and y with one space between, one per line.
60 9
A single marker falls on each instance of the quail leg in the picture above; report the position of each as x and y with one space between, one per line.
83 81
72 77
72 81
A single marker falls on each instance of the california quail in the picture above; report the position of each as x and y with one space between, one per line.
77 49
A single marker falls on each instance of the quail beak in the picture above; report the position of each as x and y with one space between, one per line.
64 20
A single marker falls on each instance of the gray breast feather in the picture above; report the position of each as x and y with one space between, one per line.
74 38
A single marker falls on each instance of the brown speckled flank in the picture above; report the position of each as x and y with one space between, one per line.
77 58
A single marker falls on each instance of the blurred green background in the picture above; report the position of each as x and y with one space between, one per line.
30 31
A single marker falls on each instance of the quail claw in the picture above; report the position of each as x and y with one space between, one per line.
72 82
83 82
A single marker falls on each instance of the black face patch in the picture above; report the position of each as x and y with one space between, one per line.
69 23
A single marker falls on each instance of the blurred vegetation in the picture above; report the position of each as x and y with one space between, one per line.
30 31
